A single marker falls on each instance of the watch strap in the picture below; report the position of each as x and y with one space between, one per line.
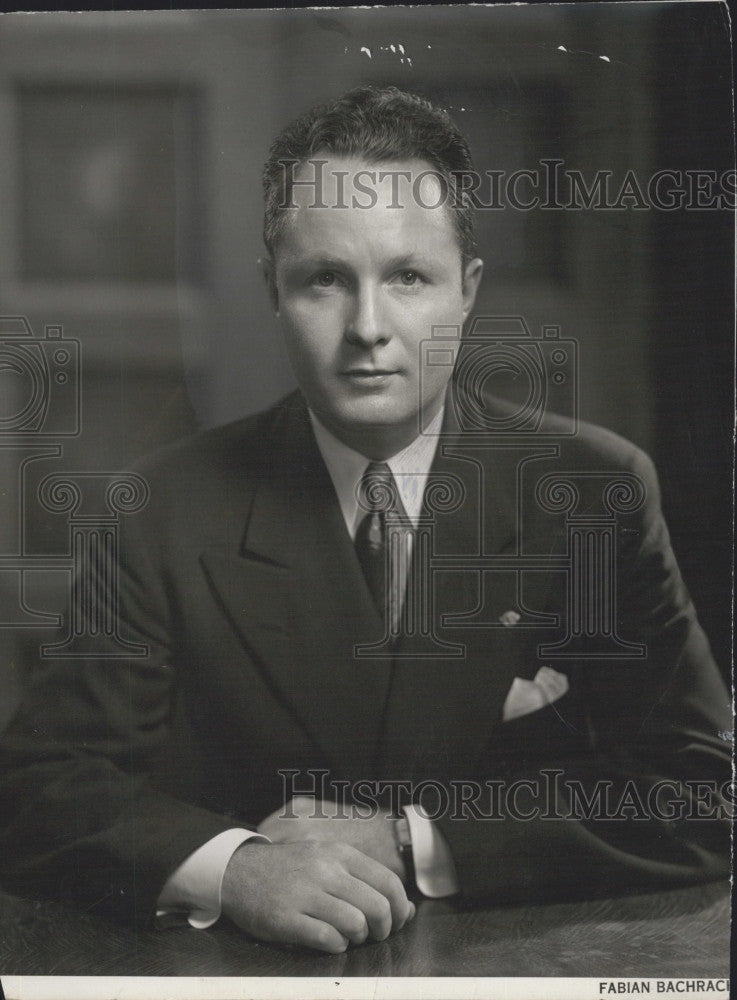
404 845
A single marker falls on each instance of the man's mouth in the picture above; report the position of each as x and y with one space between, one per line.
370 373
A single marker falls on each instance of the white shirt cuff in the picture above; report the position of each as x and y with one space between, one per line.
435 872
195 887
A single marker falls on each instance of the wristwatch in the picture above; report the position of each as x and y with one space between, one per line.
404 844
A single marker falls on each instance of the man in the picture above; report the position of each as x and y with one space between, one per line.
284 642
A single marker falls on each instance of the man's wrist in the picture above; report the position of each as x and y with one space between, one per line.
403 837
231 886
194 890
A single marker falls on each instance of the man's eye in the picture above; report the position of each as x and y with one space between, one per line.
409 278
325 279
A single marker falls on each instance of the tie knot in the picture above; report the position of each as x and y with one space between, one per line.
377 490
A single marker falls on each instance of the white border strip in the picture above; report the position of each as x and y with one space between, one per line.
355 988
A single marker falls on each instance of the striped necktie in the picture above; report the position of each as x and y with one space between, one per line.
383 554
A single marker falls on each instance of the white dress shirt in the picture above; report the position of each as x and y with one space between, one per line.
194 888
410 468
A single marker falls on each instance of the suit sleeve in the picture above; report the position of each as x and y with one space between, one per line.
624 784
80 817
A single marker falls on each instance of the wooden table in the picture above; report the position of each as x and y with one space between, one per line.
684 933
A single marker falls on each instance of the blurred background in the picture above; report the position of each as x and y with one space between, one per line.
131 147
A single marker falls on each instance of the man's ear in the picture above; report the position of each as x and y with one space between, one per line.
269 268
471 281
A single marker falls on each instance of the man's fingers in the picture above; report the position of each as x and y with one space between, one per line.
377 892
375 907
306 894
314 933
346 918
385 882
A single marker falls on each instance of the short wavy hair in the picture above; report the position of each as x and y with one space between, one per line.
379 125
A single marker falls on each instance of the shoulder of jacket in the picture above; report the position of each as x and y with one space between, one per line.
241 445
604 448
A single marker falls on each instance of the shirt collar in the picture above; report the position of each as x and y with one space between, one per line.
410 468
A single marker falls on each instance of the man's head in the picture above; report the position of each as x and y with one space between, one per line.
371 247
376 126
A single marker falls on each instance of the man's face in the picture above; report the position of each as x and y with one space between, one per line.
358 289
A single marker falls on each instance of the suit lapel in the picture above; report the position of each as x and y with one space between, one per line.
297 596
445 709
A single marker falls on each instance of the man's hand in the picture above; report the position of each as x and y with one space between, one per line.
322 895
309 819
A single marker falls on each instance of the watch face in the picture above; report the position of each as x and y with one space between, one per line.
404 837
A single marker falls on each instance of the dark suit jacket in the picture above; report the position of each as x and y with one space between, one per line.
241 580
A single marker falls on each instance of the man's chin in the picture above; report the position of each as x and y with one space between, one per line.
372 419
372 427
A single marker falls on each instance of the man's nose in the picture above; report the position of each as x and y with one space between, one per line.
366 323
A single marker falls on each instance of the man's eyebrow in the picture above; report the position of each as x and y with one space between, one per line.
413 258
325 262
316 263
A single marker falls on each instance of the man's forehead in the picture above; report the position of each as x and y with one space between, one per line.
390 208
355 182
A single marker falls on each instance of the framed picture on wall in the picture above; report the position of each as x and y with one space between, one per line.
109 188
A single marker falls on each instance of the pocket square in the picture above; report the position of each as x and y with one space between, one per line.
529 696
